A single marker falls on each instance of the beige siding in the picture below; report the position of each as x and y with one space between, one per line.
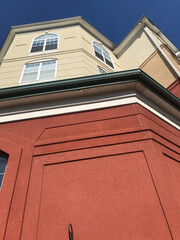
172 57
136 51
140 52
75 56
159 69
87 44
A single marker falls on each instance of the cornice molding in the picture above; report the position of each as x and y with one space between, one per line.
46 99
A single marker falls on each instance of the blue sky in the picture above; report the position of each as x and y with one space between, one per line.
114 18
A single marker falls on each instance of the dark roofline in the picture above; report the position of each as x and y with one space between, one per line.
99 80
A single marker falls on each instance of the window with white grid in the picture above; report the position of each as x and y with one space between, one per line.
45 42
38 71
102 54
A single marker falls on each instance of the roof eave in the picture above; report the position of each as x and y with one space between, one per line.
31 90
145 22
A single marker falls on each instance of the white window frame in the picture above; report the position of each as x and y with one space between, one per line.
104 61
39 71
43 51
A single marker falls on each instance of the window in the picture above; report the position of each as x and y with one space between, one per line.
102 54
101 71
45 70
3 164
45 42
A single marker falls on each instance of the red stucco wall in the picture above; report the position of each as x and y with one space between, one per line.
174 88
111 173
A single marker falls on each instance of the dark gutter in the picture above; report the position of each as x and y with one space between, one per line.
99 80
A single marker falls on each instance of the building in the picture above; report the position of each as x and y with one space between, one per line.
88 137
80 50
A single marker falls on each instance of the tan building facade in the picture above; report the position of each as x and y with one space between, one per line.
74 54
82 51
147 48
96 153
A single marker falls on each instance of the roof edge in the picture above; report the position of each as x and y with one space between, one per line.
31 90
145 22
157 31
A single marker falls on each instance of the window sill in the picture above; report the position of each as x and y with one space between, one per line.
37 81
43 52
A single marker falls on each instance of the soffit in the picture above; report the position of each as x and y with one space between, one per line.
88 90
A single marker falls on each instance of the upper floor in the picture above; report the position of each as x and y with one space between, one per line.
71 48
58 50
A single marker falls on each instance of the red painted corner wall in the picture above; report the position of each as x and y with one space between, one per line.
112 173
174 88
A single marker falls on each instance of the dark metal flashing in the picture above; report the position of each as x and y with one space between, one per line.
99 80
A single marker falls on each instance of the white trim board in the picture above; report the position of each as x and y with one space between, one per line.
86 106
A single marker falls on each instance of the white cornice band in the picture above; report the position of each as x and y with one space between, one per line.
85 106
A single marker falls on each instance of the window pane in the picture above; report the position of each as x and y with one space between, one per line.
99 56
1 179
109 63
48 74
48 70
3 163
46 36
29 77
30 72
107 56
101 53
48 65
31 67
37 45
51 46
39 71
37 49
100 47
51 41
98 50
